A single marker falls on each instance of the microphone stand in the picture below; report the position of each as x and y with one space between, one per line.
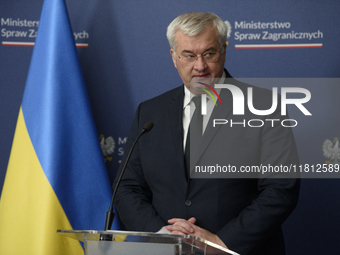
110 215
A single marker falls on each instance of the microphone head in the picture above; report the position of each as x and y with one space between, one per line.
148 126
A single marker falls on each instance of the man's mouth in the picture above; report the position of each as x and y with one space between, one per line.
201 76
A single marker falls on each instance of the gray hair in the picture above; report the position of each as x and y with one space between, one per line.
193 23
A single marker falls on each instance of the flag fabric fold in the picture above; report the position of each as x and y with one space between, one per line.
56 176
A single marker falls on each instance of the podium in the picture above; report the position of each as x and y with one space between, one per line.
143 243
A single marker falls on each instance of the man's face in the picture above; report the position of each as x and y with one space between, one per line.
206 41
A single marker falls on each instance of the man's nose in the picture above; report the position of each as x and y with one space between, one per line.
200 64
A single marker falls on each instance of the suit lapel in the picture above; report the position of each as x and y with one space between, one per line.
175 113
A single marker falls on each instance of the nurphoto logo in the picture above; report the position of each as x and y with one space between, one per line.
206 87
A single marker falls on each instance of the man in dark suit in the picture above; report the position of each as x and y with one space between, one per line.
243 214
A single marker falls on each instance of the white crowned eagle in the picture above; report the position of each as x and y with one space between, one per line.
108 146
330 151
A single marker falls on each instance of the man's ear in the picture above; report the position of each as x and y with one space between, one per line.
172 52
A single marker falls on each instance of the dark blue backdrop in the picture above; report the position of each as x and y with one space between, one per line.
127 61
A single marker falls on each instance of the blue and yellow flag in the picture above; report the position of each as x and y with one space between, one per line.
56 176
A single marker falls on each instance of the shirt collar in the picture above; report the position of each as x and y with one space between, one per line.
188 95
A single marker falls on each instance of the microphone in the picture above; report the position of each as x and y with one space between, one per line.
110 214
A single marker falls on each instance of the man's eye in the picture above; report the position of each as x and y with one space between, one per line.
189 56
209 54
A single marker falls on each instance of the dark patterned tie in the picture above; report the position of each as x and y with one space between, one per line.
194 134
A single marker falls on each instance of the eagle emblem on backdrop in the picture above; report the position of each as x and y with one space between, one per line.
229 28
108 146
331 151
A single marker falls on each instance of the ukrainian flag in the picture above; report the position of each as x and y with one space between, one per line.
56 176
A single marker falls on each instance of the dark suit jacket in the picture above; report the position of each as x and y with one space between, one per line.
246 213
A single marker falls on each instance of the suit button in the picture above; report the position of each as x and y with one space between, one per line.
187 202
